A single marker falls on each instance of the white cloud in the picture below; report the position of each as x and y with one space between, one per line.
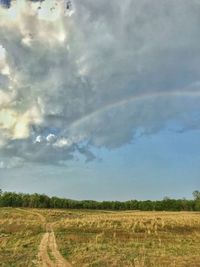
100 75
15 162
51 138
39 139
63 142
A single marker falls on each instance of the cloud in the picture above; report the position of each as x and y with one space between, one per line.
96 75
10 164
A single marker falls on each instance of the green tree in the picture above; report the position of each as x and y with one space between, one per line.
196 195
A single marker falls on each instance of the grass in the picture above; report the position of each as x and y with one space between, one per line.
20 235
102 239
51 256
131 239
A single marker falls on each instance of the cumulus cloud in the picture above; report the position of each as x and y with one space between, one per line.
96 74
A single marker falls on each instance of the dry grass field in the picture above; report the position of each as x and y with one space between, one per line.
30 237
20 235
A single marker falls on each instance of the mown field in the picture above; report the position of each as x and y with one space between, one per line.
20 235
98 239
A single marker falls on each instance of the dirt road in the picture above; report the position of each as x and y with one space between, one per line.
48 253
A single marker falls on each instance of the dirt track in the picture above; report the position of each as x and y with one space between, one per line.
48 246
48 253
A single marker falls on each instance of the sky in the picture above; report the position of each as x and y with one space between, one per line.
101 100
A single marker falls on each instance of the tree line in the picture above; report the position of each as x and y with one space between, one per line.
12 199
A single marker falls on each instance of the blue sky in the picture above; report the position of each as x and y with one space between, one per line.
100 101
165 164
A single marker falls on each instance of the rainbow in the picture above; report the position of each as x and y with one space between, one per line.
130 100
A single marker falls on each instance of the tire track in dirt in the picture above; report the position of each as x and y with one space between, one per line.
43 256
60 261
48 246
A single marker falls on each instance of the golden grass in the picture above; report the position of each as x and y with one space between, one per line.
131 239
20 235
102 239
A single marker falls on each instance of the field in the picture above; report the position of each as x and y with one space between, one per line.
34 237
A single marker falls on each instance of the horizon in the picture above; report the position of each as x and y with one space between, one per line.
103 200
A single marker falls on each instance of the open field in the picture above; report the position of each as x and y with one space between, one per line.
34 237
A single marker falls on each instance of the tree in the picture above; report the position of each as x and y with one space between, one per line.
12 199
196 195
